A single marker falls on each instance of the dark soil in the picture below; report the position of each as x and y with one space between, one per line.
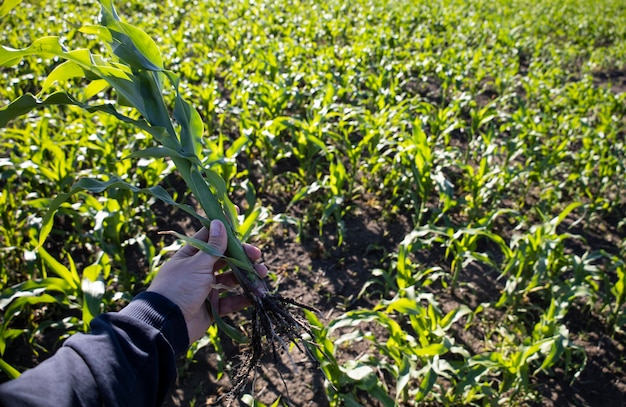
615 79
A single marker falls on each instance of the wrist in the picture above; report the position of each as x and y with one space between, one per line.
159 312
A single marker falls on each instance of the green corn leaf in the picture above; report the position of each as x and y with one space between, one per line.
29 102
191 125
247 226
7 6
227 208
160 152
231 331
277 402
63 72
8 334
619 288
37 297
197 243
404 374
454 315
93 291
431 350
35 286
237 146
206 198
94 87
17 292
97 186
99 31
149 92
216 182
44 46
429 377
557 221
554 353
98 269
354 318
356 370
122 43
207 248
129 43
374 387
349 401
69 275
404 306
11 372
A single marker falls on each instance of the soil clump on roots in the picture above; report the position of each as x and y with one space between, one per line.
273 329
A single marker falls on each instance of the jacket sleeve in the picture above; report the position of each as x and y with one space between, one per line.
128 359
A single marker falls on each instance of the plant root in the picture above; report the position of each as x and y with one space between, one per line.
273 328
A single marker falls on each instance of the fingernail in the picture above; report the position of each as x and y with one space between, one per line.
216 228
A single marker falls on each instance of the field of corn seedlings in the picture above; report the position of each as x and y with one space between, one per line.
444 180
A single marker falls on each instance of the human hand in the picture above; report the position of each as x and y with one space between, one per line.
189 278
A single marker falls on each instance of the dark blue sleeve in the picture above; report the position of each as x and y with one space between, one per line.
128 359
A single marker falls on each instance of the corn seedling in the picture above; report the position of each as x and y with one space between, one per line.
134 70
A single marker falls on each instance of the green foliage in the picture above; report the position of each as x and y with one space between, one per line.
486 126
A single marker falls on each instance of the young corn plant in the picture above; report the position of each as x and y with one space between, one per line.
617 315
133 69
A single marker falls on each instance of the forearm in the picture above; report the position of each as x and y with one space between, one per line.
129 358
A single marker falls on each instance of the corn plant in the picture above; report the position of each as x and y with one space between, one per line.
134 69
536 259
617 316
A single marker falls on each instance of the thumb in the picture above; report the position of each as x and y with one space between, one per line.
217 236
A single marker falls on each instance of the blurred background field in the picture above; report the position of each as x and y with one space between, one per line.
444 180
